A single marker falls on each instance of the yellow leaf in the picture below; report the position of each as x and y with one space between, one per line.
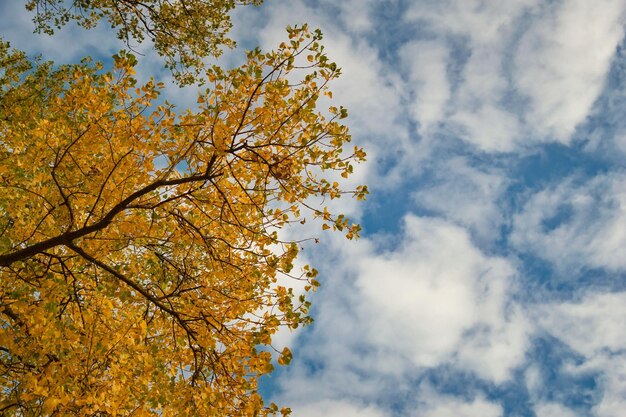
285 357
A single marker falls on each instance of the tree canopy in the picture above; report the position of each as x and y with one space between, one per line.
141 262
184 32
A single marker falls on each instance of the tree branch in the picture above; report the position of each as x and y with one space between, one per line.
154 300
68 237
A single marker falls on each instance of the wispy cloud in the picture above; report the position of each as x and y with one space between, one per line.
594 327
339 408
425 63
563 59
488 28
574 225
528 52
553 410
434 404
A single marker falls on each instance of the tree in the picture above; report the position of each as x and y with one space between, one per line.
140 252
184 32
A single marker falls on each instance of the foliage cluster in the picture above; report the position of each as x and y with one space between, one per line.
141 265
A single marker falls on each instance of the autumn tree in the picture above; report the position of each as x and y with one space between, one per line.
141 259
184 32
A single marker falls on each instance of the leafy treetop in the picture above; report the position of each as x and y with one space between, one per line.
139 248
184 32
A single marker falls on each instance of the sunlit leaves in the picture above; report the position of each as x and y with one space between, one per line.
142 264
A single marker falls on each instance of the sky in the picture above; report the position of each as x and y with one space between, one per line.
490 278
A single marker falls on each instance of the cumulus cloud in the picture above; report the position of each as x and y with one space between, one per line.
489 127
442 300
576 226
434 299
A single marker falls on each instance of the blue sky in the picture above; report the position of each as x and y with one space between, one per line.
490 280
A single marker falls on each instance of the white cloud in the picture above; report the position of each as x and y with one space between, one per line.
563 60
493 350
383 316
466 195
553 410
337 409
490 128
591 232
619 140
438 299
477 408
594 327
355 15
68 45
425 63
433 404
534 380
464 17
559 66
476 103
613 382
